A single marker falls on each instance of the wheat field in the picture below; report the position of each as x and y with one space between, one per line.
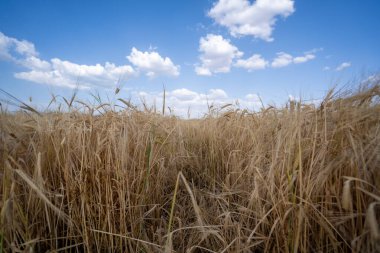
298 178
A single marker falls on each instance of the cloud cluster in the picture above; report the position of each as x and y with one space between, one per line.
184 101
72 75
257 19
218 55
246 18
63 73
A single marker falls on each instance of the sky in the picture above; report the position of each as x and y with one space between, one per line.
202 51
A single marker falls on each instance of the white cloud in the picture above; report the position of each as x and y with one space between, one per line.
21 52
217 55
25 48
251 96
257 19
63 73
50 78
183 94
217 94
35 63
71 75
305 58
282 60
10 46
58 72
342 66
252 63
202 71
181 101
152 63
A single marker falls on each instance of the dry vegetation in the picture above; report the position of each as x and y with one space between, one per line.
302 178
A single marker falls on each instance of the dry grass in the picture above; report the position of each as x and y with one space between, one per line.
302 178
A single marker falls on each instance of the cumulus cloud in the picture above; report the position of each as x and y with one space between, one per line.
184 101
254 62
343 65
152 63
72 75
183 94
284 59
217 94
257 19
202 71
58 72
35 63
217 55
64 73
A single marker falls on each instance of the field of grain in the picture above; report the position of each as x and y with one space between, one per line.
301 178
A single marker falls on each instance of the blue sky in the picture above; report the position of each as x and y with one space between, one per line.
214 50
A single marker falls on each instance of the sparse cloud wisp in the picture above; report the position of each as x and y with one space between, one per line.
284 59
343 65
